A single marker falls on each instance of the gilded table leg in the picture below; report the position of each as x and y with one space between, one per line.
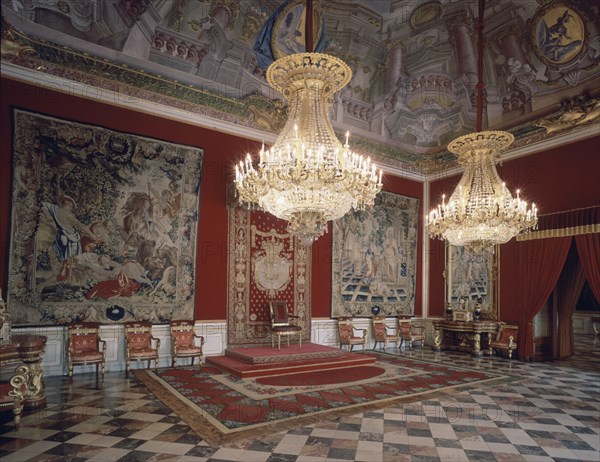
35 396
437 339
476 344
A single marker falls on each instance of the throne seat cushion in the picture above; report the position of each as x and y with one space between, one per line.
286 329
88 356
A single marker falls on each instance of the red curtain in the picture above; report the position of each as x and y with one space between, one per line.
540 263
588 247
568 290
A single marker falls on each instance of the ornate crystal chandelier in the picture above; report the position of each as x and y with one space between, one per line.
481 211
308 177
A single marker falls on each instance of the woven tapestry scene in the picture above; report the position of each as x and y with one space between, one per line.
233 398
104 224
375 258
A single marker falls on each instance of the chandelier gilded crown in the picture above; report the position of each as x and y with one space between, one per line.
308 177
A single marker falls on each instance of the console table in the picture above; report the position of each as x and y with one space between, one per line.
28 349
469 336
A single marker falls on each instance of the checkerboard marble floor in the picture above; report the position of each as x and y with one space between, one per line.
551 413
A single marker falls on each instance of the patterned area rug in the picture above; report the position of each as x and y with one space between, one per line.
220 407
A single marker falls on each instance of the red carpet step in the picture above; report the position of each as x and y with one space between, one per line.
293 353
291 363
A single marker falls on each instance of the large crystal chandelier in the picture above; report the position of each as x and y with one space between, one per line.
481 212
308 177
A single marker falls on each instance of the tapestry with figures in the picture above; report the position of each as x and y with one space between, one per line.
104 224
265 264
375 259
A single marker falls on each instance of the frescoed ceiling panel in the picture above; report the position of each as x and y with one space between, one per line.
414 63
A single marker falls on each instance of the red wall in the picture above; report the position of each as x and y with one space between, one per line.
563 178
220 153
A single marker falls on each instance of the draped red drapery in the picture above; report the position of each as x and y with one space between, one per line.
588 247
568 290
540 263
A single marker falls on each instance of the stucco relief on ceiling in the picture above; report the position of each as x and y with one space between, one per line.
414 63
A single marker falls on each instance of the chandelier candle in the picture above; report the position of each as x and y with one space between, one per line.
308 177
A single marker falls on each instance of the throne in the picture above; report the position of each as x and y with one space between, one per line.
283 324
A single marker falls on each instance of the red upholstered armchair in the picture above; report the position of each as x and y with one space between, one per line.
85 346
385 333
14 392
506 339
138 343
347 331
411 331
283 324
183 343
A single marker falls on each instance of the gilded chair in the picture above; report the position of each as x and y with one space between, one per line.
183 342
506 339
283 323
384 333
411 331
139 343
85 346
348 333
14 392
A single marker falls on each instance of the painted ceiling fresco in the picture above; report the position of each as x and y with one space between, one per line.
414 63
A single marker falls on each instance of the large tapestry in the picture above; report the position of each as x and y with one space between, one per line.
104 224
266 263
375 259
471 280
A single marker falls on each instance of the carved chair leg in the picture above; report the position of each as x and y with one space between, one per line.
300 341
102 366
155 364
